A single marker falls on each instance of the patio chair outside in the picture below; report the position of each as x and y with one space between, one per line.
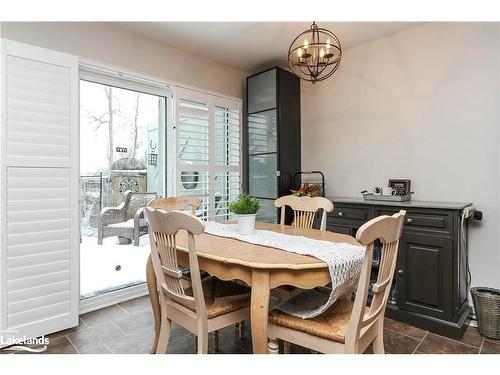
127 219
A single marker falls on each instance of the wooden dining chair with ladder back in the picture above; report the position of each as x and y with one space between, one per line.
349 327
198 308
304 213
304 210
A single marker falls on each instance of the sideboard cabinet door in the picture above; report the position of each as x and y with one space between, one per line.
424 275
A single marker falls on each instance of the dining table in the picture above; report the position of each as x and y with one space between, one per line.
260 267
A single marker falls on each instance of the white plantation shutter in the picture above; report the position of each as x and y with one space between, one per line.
227 176
39 233
208 130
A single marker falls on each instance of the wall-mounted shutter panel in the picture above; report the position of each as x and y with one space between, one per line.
39 191
208 130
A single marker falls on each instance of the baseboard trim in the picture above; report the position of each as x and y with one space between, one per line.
112 298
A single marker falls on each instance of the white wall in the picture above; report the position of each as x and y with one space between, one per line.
110 44
421 104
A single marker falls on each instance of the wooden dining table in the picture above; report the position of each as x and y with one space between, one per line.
262 268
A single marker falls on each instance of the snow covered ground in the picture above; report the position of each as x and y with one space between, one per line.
111 266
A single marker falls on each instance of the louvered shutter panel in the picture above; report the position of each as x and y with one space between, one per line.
227 176
193 147
39 232
208 130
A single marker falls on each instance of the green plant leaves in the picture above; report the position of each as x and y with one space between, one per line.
244 205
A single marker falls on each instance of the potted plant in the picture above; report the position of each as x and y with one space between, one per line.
245 208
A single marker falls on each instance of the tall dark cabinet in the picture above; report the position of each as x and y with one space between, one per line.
272 130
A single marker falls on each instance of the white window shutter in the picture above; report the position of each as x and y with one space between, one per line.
208 147
193 135
227 166
39 231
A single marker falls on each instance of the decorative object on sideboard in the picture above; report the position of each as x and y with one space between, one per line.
388 191
307 190
308 183
315 54
245 208
398 190
402 186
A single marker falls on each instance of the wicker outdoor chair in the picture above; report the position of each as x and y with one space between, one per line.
126 220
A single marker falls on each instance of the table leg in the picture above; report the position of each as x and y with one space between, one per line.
155 302
259 307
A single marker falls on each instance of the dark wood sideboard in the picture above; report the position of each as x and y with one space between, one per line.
430 282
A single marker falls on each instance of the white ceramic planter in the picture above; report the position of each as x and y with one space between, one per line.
246 223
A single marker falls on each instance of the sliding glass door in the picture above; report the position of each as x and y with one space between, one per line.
122 167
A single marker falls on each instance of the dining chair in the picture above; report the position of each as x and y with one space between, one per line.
304 210
180 204
349 327
200 308
166 204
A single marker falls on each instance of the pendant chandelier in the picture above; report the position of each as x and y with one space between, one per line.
315 54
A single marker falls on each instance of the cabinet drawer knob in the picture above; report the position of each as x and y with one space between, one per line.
409 220
401 272
341 213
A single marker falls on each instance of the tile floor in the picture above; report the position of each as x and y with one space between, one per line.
128 328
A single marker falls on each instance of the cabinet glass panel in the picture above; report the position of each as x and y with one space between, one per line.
262 180
262 136
262 91
268 211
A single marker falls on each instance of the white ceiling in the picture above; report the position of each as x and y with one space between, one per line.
253 46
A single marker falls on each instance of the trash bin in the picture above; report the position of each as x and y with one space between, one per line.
487 307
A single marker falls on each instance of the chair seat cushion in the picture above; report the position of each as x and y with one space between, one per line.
330 325
129 224
223 297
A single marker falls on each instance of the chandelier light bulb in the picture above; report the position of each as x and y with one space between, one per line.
306 44
299 52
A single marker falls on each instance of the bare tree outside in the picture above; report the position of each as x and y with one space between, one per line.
134 125
106 118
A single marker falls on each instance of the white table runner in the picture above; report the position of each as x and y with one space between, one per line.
344 262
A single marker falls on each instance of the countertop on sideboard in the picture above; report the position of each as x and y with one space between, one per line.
410 203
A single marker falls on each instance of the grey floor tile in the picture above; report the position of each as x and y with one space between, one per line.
60 345
177 331
435 344
404 328
490 347
231 348
472 337
96 349
136 304
139 342
183 345
68 331
97 317
90 337
135 321
396 343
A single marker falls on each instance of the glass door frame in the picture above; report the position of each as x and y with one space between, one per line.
143 84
